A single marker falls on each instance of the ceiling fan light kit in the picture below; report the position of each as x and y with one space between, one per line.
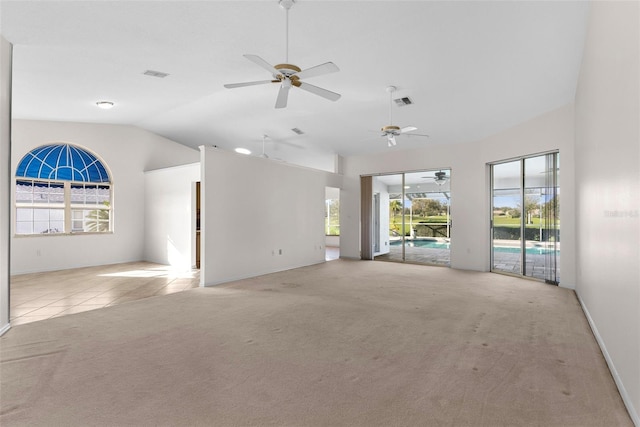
289 75
441 178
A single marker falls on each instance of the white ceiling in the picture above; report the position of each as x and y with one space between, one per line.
471 68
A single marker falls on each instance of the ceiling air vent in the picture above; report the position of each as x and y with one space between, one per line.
298 131
152 73
405 100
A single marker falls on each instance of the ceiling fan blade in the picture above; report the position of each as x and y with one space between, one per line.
417 134
262 63
408 129
391 140
318 70
327 94
234 85
283 94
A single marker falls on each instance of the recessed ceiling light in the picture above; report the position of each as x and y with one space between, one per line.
243 151
105 105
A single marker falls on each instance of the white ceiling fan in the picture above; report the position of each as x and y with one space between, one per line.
391 131
266 138
288 74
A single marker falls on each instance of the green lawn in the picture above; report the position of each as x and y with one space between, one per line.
515 222
416 219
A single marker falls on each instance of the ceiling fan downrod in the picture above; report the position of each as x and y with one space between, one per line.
286 5
391 89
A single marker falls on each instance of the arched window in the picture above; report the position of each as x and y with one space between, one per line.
62 189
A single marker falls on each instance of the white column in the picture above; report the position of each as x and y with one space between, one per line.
5 179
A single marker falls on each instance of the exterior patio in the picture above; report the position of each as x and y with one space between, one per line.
504 262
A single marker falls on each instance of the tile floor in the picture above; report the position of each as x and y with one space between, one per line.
40 296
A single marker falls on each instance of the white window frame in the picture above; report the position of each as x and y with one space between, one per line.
68 207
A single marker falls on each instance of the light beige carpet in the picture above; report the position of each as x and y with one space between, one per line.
350 343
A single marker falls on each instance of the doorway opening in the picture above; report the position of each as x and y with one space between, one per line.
411 217
332 223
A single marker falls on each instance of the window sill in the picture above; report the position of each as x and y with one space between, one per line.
20 236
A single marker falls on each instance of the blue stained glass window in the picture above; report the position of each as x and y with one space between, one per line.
62 162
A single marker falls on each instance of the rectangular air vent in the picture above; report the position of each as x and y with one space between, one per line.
152 73
405 100
298 131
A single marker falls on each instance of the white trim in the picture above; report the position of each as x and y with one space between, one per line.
4 329
189 165
614 373
249 276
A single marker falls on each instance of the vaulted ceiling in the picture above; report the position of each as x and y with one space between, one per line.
471 68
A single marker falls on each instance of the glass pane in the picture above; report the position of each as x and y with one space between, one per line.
507 212
56 214
41 227
24 214
56 194
427 216
58 226
387 217
24 221
91 196
91 220
104 195
24 192
534 179
41 215
540 239
24 227
40 194
417 215
77 194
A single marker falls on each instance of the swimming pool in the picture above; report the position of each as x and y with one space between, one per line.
433 244
530 251
430 244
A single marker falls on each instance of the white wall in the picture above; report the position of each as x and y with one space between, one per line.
470 238
608 190
169 215
128 151
5 179
252 208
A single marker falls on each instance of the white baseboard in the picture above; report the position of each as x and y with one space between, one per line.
616 377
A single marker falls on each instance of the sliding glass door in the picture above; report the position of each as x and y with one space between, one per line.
412 217
525 222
